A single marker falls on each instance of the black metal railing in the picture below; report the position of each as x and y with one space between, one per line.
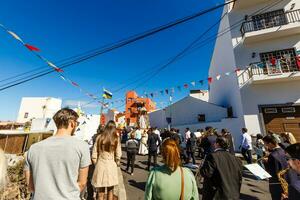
270 21
264 68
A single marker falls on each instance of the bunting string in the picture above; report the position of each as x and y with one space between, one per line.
59 71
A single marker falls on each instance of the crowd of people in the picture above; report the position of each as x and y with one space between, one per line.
63 167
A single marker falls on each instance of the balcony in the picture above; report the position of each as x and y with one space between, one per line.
266 72
271 25
243 4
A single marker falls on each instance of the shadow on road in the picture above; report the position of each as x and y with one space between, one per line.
139 185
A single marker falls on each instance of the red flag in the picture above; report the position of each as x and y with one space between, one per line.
59 69
32 48
237 70
209 80
75 84
185 85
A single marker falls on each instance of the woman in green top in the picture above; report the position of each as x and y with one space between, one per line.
165 182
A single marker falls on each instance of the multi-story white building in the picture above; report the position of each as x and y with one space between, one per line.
265 94
38 107
262 39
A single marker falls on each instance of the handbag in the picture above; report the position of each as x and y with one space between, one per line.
182 184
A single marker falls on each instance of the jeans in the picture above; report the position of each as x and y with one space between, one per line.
191 154
130 160
247 155
260 161
154 155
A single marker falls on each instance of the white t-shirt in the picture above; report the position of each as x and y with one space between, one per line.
54 164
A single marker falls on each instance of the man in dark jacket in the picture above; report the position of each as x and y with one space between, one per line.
275 162
294 164
191 148
153 144
222 173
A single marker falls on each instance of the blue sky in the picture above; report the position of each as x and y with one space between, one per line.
63 28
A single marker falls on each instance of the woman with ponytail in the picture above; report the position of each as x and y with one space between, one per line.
171 181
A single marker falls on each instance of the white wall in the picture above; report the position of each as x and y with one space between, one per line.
87 127
267 93
158 119
225 91
34 107
204 95
186 111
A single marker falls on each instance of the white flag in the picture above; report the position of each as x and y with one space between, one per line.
15 36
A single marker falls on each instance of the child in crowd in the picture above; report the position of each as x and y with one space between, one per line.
132 146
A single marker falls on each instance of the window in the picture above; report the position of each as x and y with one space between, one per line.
201 118
288 110
270 110
26 115
129 109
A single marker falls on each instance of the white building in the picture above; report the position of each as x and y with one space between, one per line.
38 107
265 95
88 125
189 111
262 38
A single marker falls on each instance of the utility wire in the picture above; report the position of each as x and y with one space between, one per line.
123 43
193 47
196 47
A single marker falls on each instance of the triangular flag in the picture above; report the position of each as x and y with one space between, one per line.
167 91
54 66
15 36
172 90
63 78
201 82
227 73
32 48
179 88
237 70
218 77
193 83
161 92
209 80
185 85
58 69
75 84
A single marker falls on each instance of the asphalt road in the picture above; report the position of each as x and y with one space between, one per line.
135 185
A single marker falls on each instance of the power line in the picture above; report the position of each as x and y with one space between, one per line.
124 43
184 52
207 41
190 47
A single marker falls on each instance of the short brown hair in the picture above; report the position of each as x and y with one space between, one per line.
63 117
171 154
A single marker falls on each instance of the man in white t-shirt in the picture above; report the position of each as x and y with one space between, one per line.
57 167
187 135
246 145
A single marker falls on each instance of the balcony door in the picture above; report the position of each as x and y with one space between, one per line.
280 61
269 19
